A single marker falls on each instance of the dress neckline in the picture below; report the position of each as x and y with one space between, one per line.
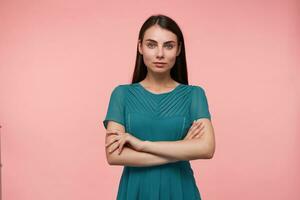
159 94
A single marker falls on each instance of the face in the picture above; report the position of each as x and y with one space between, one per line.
159 45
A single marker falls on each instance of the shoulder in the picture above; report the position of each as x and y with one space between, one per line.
196 89
126 87
121 88
120 91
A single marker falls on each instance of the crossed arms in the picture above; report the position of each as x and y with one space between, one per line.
162 152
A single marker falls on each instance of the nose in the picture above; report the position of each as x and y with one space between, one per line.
160 52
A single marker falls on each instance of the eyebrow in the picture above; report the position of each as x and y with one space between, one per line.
156 41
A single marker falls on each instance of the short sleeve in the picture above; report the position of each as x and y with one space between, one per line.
199 105
116 107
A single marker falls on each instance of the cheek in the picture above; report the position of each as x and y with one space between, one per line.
172 53
148 53
148 56
171 56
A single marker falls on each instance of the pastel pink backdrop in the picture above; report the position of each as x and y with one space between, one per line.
60 60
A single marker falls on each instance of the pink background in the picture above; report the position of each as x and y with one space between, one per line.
60 60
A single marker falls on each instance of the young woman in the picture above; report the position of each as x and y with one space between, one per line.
158 123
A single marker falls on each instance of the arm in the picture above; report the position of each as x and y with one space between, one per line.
200 148
130 157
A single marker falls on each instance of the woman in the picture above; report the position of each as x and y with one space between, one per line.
156 124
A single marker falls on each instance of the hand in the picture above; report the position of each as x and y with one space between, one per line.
121 139
195 131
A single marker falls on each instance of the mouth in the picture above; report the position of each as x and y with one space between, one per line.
159 64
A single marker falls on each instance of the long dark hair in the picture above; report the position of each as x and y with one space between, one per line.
179 70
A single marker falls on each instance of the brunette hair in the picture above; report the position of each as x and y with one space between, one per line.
179 70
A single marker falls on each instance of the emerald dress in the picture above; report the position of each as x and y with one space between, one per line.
157 117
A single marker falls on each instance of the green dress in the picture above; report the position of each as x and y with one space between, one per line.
157 117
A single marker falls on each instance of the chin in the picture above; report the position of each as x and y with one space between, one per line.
160 71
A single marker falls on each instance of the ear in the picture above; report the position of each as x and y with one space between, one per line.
139 47
179 49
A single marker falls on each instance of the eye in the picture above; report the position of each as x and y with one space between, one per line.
150 45
169 46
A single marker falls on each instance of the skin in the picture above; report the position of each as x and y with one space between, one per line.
131 157
123 148
159 45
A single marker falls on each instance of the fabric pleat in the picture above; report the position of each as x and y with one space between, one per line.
157 117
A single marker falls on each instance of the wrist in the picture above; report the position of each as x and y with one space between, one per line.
145 145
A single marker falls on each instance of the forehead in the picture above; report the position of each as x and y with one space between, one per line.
159 34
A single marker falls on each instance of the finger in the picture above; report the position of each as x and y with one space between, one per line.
199 132
199 127
197 124
193 127
198 135
188 135
121 146
196 130
114 132
112 141
113 147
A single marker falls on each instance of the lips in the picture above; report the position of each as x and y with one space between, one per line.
160 63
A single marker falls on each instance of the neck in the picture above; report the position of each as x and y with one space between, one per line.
159 80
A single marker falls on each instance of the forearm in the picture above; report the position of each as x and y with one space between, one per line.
180 150
130 157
